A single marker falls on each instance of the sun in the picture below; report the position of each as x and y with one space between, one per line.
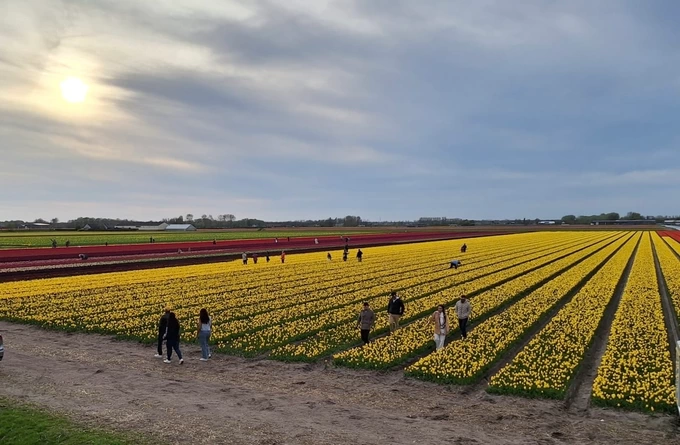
73 90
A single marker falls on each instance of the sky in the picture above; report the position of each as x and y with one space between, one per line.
297 109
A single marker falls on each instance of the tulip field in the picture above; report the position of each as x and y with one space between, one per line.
538 301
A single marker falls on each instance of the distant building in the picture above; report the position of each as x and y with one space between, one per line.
624 222
180 228
157 228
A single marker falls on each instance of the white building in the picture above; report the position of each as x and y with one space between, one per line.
180 228
157 228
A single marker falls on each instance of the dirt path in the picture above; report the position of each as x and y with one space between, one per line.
231 400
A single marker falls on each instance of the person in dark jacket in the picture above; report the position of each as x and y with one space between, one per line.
395 309
172 338
365 322
360 255
344 256
162 327
464 248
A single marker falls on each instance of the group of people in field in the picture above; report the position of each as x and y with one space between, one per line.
396 309
255 256
169 326
169 330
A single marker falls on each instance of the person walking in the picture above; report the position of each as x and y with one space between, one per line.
463 249
266 256
172 338
255 258
316 240
366 321
344 255
244 257
441 326
162 327
395 309
360 255
283 257
329 257
204 331
463 310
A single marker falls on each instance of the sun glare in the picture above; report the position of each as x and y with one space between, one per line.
73 90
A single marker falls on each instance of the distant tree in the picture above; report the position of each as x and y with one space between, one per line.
330 222
351 221
569 219
39 220
190 217
633 215
54 220
229 217
613 216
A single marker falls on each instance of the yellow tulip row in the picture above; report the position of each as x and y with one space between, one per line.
545 367
412 338
670 265
465 361
249 338
636 369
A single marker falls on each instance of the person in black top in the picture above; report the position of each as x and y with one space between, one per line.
464 248
344 255
162 327
172 338
360 255
395 309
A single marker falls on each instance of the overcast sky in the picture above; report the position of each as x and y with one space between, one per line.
388 109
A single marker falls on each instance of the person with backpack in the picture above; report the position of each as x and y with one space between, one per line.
172 338
365 322
204 331
162 327
395 309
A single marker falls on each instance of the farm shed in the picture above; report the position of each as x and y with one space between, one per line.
180 228
155 228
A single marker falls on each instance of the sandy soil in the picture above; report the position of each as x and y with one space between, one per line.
120 385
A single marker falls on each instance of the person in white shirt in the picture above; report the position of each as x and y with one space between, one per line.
463 310
441 326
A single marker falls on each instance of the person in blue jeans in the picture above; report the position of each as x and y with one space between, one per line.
204 330
172 338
